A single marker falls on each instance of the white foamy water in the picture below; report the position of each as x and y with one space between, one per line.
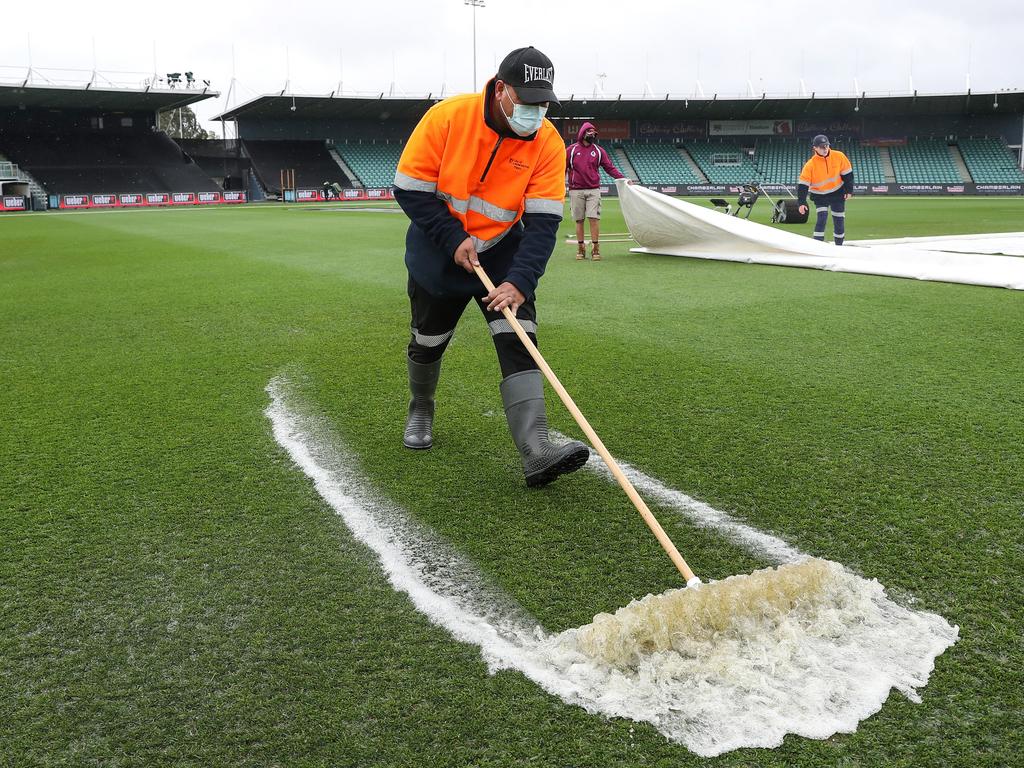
815 670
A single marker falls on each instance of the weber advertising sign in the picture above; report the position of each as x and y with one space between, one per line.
12 203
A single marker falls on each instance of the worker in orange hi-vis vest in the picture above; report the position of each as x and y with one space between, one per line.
482 180
828 177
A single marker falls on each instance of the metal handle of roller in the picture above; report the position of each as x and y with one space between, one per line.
652 522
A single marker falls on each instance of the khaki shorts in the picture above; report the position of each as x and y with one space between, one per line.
585 203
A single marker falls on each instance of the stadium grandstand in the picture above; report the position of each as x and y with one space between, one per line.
941 144
81 146
84 146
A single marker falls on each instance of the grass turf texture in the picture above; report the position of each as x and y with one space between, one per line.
173 591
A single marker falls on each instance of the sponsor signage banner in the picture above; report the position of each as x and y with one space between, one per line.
883 142
919 189
12 203
606 129
704 189
138 199
999 189
750 128
353 194
378 194
831 128
308 195
682 129
726 190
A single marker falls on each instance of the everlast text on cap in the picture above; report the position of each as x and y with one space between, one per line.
531 74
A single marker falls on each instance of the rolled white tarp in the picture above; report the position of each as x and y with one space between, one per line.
674 227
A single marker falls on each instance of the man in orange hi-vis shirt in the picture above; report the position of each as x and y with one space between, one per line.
828 176
482 180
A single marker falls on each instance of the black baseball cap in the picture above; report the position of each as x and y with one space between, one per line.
531 74
821 140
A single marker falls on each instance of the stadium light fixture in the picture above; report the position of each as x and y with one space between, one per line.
475 4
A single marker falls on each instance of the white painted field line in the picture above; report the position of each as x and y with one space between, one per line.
723 693
772 548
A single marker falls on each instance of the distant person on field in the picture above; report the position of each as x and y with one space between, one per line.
828 176
482 179
582 160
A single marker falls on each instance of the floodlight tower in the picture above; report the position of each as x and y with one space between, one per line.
476 4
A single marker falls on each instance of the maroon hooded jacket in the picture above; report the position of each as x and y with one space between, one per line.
582 162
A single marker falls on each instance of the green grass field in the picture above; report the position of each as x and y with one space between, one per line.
173 591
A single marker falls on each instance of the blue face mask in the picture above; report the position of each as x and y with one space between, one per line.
525 118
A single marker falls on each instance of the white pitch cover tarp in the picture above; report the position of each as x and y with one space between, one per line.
668 225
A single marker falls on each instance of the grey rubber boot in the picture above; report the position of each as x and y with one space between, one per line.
543 461
422 385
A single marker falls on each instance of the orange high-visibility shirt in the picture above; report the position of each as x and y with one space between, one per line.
825 174
488 181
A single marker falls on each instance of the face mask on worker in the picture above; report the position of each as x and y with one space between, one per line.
525 118
589 137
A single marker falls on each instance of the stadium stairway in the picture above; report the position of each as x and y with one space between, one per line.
887 169
622 163
958 161
40 198
688 159
350 176
373 163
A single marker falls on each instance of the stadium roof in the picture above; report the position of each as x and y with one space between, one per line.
668 107
107 99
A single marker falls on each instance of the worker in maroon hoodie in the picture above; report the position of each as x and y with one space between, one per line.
582 161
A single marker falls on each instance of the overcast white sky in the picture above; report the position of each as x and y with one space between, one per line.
421 46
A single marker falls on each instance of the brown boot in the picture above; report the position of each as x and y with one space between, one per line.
595 251
581 251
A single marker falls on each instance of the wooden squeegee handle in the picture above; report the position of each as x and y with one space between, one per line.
627 486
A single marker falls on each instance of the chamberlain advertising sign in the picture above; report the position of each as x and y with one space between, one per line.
956 190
